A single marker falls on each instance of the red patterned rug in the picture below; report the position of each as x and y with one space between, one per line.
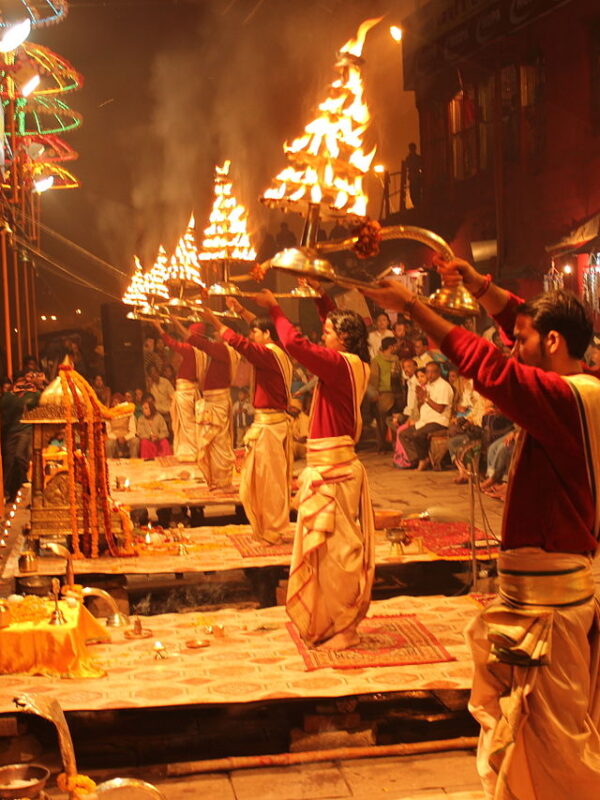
386 641
450 540
249 547
482 599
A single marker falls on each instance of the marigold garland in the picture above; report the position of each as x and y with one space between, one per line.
77 786
368 235
91 470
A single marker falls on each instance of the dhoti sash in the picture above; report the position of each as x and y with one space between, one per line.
183 419
266 474
216 458
536 693
333 561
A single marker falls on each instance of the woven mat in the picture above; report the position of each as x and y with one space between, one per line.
385 641
249 547
449 540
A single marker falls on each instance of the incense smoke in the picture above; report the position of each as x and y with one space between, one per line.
240 83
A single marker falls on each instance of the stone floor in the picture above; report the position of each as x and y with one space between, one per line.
417 491
440 776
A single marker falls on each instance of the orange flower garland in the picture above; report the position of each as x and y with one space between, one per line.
91 465
77 786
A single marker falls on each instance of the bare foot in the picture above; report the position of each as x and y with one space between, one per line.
486 484
460 479
423 465
341 641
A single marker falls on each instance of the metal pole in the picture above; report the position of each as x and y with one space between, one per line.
472 535
6 300
310 234
19 332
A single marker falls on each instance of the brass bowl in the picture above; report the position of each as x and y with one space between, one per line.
225 289
454 300
22 780
128 789
303 262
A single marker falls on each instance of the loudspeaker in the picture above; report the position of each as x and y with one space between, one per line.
123 349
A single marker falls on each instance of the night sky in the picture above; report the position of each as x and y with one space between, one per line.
171 86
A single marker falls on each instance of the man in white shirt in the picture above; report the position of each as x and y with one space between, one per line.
162 391
382 330
434 416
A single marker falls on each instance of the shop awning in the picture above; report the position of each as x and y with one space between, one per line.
579 238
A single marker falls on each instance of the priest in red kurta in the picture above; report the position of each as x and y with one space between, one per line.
183 408
331 574
536 650
213 409
267 468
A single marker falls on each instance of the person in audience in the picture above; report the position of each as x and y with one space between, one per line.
162 391
169 373
152 432
121 433
101 389
151 357
404 345
138 399
499 456
381 331
384 379
434 415
466 430
243 414
409 417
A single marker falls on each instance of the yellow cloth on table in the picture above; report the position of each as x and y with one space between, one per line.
38 648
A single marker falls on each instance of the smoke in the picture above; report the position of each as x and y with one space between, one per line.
243 78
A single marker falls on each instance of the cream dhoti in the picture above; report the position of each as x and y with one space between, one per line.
333 561
183 419
266 474
216 458
535 691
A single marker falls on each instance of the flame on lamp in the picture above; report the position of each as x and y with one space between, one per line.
135 294
184 264
154 279
328 162
226 237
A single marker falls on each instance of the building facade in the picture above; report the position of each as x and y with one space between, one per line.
508 95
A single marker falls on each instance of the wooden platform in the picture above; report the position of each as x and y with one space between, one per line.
210 549
165 482
255 661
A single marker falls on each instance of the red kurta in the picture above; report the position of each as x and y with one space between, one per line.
218 374
334 412
187 368
269 385
549 502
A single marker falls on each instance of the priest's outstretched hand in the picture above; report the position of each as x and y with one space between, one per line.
266 299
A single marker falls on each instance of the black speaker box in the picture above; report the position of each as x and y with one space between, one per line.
123 349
